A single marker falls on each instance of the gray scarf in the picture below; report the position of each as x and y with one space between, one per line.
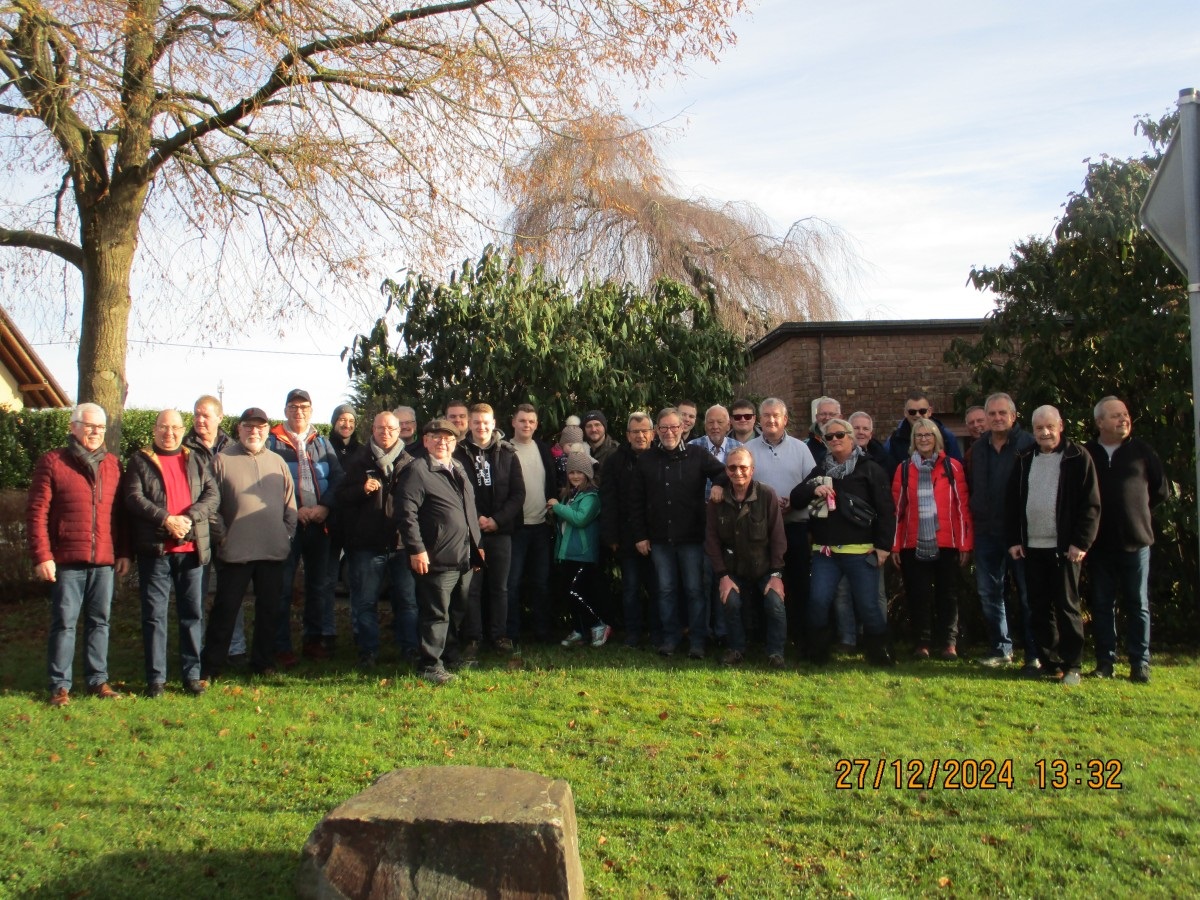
927 522
386 459
843 469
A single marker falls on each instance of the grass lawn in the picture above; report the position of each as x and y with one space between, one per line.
689 779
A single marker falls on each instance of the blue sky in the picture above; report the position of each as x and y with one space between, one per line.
935 135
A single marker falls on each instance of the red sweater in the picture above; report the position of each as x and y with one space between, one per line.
955 528
70 519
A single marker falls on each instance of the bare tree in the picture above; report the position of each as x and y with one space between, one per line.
305 126
594 200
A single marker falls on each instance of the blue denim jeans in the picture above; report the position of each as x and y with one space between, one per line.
79 588
861 570
366 571
677 571
312 543
774 614
157 574
1126 572
637 576
531 545
843 610
992 563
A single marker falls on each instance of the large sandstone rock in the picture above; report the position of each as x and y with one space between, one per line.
448 831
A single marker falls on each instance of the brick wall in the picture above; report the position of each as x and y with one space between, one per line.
865 365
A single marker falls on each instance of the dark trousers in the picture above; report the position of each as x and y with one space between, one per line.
437 592
489 590
797 563
531 546
1053 585
579 580
932 603
232 581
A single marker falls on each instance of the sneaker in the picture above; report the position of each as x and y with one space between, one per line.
195 686
949 653
921 652
574 639
155 690
1071 678
437 675
503 645
775 661
1102 670
1032 668
60 697
600 635
732 658
996 660
1140 673
103 691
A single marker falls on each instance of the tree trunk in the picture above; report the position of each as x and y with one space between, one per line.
109 234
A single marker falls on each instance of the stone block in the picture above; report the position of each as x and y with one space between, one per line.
447 832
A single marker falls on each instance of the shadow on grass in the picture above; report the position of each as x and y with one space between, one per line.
154 873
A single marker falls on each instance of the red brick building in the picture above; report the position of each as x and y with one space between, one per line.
864 365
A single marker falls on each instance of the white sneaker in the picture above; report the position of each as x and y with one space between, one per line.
600 635
574 639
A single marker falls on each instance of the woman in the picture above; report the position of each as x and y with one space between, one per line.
934 534
852 525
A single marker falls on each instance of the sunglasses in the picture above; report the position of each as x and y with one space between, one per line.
923 411
837 435
742 417
737 468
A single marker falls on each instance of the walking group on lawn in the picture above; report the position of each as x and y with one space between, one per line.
742 535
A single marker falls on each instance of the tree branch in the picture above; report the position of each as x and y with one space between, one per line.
35 240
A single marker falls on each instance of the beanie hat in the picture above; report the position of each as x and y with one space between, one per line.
595 416
571 434
581 461
340 411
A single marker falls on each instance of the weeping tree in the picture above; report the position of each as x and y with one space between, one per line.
505 333
595 201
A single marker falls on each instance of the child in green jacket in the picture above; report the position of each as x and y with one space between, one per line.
577 549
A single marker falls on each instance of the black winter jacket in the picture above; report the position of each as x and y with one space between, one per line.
1077 509
667 496
868 482
144 494
616 503
368 521
1131 484
497 478
435 514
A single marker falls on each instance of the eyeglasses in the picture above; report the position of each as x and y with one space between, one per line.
408 423
387 430
88 426
442 438
742 417
670 428
924 434
731 468
640 431
299 407
923 411
837 435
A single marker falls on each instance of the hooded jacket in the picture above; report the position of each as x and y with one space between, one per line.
954 527
497 477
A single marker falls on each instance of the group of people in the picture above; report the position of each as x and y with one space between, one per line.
742 533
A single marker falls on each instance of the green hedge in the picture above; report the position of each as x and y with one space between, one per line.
28 433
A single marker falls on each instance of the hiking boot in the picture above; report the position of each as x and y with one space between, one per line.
732 658
775 661
600 635
1102 670
503 645
103 691
437 675
1140 673
60 697
155 690
195 686
574 639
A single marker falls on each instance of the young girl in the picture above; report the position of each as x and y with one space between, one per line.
578 547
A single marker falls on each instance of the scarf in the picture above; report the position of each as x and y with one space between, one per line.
90 458
927 522
386 459
305 485
842 469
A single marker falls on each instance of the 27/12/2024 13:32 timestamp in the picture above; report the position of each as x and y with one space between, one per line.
974 774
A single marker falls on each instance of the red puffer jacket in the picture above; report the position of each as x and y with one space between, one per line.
955 527
70 518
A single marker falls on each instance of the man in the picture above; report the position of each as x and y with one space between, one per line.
864 437
77 543
917 406
365 499
975 421
170 495
823 410
993 459
315 469
688 413
439 526
1053 518
1131 485
717 442
206 438
616 512
499 485
595 432
781 462
533 537
458 415
745 545
667 502
407 417
258 512
742 417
